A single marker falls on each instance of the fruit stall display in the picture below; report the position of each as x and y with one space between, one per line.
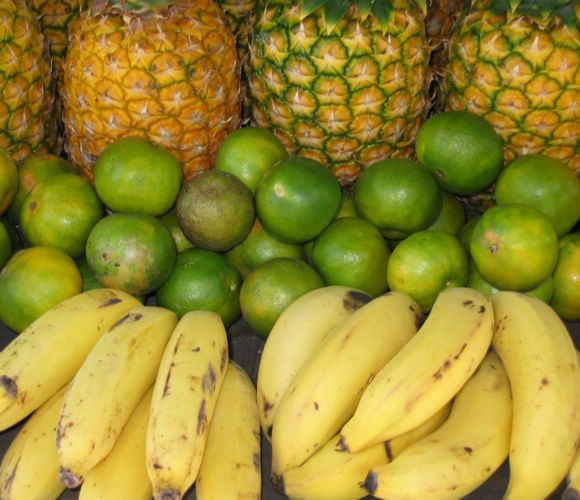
280 249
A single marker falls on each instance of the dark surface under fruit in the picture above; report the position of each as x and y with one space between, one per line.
245 348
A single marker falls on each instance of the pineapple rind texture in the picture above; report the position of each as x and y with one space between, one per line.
26 85
523 77
171 77
347 98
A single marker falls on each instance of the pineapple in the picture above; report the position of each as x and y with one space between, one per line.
518 65
346 86
27 90
163 70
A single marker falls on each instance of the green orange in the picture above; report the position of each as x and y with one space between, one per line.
61 212
6 246
132 175
269 289
297 198
452 216
543 183
34 170
215 210
169 219
8 180
566 276
260 246
202 280
34 280
515 247
462 149
425 263
398 196
248 152
347 207
131 252
352 252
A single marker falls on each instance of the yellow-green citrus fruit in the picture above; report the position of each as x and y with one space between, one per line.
202 280
543 183
297 198
8 180
566 276
347 207
215 210
134 253
352 252
260 246
169 219
61 212
515 247
466 231
269 289
132 175
6 246
425 263
398 196
248 152
34 280
34 170
462 149
452 216
543 291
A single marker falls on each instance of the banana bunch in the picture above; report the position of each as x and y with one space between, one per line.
121 399
46 355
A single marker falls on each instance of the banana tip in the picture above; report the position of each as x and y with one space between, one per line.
69 479
370 482
571 494
342 445
278 482
167 495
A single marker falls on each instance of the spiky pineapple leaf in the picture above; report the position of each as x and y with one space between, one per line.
309 6
334 11
365 8
542 11
382 11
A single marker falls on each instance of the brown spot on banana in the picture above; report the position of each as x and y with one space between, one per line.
257 461
201 419
544 382
166 386
388 450
208 380
126 318
110 302
354 300
315 405
370 482
7 485
69 479
223 359
468 450
9 385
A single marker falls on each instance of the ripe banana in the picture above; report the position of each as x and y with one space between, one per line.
541 361
427 372
231 463
117 373
331 474
29 468
122 475
295 335
186 390
463 453
572 491
326 389
46 355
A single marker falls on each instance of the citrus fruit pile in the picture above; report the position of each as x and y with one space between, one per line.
262 228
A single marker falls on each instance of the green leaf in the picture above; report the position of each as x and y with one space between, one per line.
309 6
382 11
365 7
334 11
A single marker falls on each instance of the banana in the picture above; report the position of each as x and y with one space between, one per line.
186 390
331 474
122 475
115 376
326 389
295 335
29 468
231 464
46 355
427 372
541 361
572 491
463 453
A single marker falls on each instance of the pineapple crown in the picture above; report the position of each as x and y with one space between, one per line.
334 10
543 11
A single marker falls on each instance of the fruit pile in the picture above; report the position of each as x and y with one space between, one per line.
382 162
